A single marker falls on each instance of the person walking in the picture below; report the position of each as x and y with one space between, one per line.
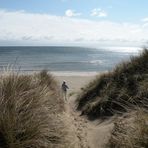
64 90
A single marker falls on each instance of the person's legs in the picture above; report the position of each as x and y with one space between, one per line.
65 94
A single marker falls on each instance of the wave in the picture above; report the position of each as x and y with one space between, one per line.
124 49
96 62
79 62
67 62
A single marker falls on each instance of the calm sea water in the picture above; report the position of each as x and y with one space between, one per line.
61 58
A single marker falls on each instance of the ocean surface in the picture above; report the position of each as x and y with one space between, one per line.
61 59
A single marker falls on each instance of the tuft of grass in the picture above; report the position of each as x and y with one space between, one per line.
133 134
117 91
30 111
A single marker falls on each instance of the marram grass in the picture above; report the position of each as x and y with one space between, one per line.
30 111
115 92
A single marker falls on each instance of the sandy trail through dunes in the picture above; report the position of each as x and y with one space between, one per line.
88 134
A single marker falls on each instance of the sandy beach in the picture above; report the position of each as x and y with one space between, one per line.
75 80
75 83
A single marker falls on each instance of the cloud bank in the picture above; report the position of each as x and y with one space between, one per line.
34 28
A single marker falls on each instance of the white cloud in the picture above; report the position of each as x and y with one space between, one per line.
71 13
98 12
145 25
23 27
145 19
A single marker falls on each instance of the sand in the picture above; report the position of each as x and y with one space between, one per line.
88 134
75 83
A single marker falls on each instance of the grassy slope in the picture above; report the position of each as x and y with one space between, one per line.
117 91
133 134
30 111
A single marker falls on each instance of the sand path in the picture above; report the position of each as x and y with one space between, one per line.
88 134
80 126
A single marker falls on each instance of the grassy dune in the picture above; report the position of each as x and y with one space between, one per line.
125 89
117 91
130 134
30 112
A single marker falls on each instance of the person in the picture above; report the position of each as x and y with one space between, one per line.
64 90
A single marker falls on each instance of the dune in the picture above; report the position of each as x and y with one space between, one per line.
34 114
31 112
121 97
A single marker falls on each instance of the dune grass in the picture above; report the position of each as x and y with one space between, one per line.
130 134
117 91
30 111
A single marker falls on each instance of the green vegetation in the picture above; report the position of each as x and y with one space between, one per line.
115 92
30 112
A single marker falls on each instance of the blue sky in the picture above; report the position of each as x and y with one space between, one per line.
73 21
118 10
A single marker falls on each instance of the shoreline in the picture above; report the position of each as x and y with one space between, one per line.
55 73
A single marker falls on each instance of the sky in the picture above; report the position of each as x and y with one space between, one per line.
74 22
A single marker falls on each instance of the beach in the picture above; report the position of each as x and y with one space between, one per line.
79 120
73 74
75 83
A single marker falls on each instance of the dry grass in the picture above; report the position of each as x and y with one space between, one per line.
117 91
30 112
130 134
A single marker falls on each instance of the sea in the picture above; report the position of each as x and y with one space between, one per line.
68 60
